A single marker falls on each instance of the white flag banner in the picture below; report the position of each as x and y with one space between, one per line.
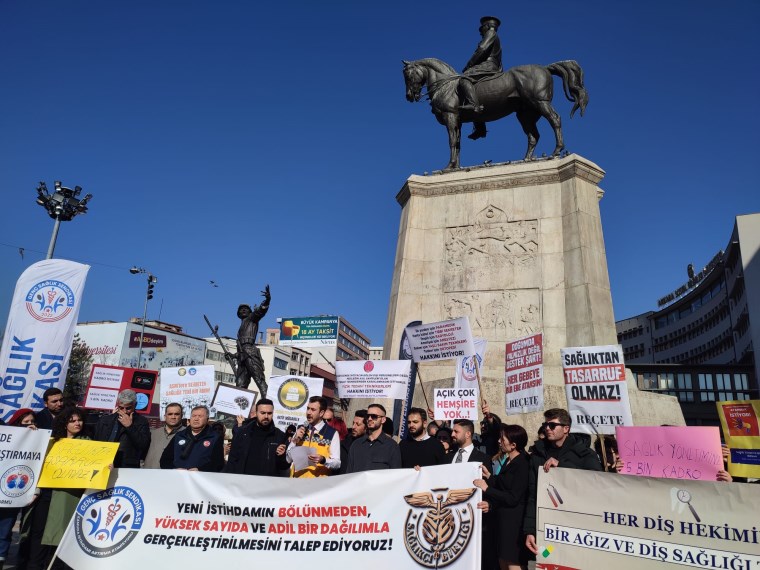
22 451
597 393
441 341
290 395
37 342
399 518
467 375
372 378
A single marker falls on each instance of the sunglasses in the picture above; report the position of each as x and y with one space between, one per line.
374 416
551 425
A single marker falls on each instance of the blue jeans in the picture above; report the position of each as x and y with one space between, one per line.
7 520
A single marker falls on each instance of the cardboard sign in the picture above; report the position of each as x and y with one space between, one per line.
441 341
739 421
670 452
78 464
107 381
290 395
372 378
233 401
188 386
455 404
524 375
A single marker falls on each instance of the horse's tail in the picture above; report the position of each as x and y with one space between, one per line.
572 83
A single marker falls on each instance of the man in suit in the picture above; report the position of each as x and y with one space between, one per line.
462 433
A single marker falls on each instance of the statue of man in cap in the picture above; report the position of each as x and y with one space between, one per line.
484 62
250 364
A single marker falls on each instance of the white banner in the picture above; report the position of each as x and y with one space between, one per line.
188 386
441 341
290 395
372 378
40 330
22 451
597 393
524 375
455 404
234 401
371 520
589 519
467 375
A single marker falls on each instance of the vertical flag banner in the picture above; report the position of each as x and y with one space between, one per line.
524 375
597 393
739 420
37 342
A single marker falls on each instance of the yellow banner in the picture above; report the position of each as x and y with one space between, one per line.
741 430
78 464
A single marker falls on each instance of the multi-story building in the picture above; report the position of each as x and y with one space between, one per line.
375 352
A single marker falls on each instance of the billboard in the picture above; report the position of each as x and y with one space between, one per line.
309 331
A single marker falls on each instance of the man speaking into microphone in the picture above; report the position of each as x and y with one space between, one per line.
321 439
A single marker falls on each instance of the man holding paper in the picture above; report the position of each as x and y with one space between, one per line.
315 448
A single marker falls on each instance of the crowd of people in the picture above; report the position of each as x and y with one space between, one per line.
323 446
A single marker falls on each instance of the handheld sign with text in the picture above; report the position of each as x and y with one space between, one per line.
21 453
672 452
741 430
596 389
107 381
456 403
78 464
372 378
441 341
524 376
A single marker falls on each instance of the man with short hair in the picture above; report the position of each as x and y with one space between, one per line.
559 448
375 449
419 449
53 399
161 436
358 429
198 447
130 430
462 433
258 447
322 439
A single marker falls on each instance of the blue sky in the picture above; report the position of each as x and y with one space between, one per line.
252 144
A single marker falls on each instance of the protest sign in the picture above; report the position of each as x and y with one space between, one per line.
74 463
399 518
597 393
524 375
440 341
39 333
290 395
233 401
372 378
455 404
468 367
188 386
589 519
107 381
673 452
739 421
21 453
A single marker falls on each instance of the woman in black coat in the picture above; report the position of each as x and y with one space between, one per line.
507 491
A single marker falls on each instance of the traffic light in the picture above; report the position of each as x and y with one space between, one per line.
151 284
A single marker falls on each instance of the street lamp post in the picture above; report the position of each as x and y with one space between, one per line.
152 280
62 206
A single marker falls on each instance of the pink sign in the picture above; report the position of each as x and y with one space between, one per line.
670 452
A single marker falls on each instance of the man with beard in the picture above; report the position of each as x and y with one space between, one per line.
160 437
258 447
419 449
53 399
321 439
375 449
358 429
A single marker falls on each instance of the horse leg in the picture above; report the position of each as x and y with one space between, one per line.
454 128
528 120
546 109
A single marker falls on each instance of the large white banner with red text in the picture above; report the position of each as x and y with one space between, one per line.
374 520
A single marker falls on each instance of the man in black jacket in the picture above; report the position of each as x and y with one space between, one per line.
53 399
258 447
130 430
558 449
419 448
198 447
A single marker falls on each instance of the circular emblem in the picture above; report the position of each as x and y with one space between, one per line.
181 442
142 401
107 521
16 481
181 372
192 371
469 373
369 366
50 301
293 393
207 443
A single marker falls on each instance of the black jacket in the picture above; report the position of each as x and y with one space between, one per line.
204 452
254 449
134 441
574 454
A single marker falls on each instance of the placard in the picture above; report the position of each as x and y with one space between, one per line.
739 421
22 451
290 395
188 386
441 341
74 463
372 379
455 404
524 375
107 381
233 401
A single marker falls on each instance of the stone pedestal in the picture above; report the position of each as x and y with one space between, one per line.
518 249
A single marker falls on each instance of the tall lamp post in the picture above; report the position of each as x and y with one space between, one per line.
152 280
62 206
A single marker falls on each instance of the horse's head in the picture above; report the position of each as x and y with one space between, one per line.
414 77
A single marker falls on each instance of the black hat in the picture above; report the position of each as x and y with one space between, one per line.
244 306
490 20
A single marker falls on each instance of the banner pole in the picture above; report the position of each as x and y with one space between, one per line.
422 388
604 450
477 375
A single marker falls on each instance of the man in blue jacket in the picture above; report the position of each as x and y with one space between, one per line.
197 447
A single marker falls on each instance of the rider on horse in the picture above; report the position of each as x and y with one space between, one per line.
485 62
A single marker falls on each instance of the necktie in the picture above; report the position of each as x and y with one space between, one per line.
460 453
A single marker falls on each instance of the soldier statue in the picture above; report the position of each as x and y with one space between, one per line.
250 364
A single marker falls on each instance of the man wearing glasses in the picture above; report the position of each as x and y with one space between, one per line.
375 449
131 431
559 448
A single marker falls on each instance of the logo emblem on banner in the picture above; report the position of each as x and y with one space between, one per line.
50 301
293 394
107 521
16 481
438 535
469 373
369 366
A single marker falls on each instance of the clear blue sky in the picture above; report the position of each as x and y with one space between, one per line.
252 143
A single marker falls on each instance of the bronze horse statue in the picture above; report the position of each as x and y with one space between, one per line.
526 90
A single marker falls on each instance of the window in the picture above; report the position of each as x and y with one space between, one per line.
280 363
705 382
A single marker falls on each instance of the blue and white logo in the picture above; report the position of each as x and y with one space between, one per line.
107 521
50 301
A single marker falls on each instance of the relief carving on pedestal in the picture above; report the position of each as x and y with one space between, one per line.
501 315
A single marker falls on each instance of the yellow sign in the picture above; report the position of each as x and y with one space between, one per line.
741 430
78 464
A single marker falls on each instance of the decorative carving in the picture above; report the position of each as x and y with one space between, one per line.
497 315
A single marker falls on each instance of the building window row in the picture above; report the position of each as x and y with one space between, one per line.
224 377
280 363
350 345
214 355
353 335
675 315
